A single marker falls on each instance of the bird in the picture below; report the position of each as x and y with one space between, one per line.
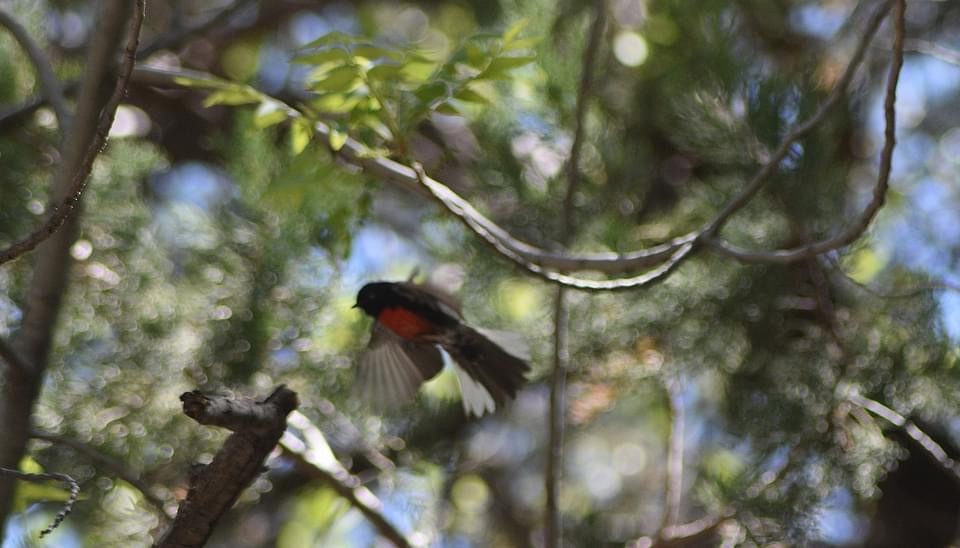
412 322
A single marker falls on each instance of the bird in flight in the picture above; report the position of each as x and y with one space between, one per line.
410 322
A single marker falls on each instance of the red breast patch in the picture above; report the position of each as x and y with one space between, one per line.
404 323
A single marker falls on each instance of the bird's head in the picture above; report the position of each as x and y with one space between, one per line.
372 297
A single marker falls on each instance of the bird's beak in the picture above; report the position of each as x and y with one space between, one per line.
356 305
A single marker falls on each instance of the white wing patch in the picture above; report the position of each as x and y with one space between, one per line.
476 399
512 342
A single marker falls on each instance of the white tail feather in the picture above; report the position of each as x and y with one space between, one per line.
476 399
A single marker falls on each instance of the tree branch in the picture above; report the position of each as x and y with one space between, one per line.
675 448
933 49
51 266
665 257
934 285
50 476
313 458
12 357
855 230
52 90
78 182
110 464
556 411
909 428
214 488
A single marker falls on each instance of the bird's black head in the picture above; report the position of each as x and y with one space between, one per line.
374 297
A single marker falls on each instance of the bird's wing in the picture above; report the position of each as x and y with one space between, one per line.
391 370
434 304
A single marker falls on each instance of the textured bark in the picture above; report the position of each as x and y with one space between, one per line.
21 386
256 427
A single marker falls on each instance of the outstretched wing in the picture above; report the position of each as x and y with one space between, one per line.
490 372
391 370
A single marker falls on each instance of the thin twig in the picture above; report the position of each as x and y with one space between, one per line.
550 265
909 293
556 412
800 131
909 428
78 183
933 49
50 476
167 41
52 90
675 450
862 222
108 463
177 36
313 458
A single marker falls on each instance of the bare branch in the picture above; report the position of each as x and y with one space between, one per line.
855 230
908 293
177 36
675 449
666 256
909 428
762 176
110 464
933 49
52 90
78 182
313 458
50 476
12 357
556 411
214 488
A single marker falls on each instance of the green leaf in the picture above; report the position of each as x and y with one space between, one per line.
301 132
470 96
499 67
385 72
514 30
476 56
446 108
320 57
337 139
428 93
340 79
522 43
373 53
417 70
336 102
331 38
240 95
269 113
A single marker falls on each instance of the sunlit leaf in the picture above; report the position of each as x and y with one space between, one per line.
865 264
337 139
521 43
514 31
446 108
375 52
233 97
384 72
499 67
343 78
301 132
269 113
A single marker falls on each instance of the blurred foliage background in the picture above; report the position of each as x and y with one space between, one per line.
218 250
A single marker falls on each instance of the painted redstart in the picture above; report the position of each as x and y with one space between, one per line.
411 321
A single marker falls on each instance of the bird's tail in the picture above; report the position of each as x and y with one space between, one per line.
491 366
